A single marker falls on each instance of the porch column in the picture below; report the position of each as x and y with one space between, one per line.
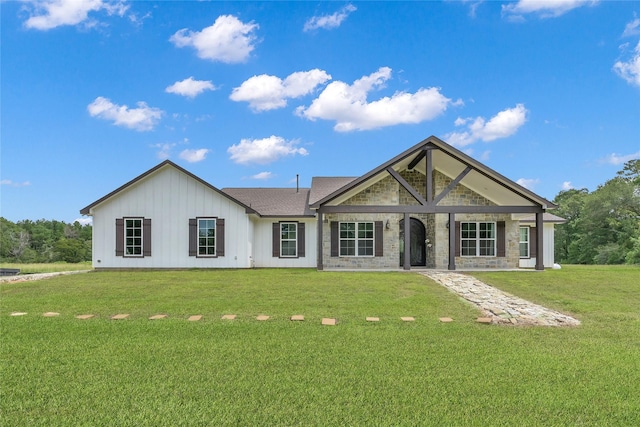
452 241
407 242
319 243
540 241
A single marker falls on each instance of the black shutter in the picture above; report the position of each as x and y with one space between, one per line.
193 237
500 237
378 234
457 242
335 251
275 243
301 239
220 237
146 237
533 242
119 236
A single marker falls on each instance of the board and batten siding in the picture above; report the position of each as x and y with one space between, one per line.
263 244
549 247
170 198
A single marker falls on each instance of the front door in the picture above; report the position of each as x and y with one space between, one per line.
417 243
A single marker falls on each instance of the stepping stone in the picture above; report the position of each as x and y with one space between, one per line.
158 316
51 314
484 320
262 318
446 319
373 319
119 316
85 316
408 319
194 318
297 318
328 321
18 313
228 317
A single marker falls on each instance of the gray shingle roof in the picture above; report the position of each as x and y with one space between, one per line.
274 202
322 186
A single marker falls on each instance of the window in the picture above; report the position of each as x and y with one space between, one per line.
478 238
133 237
288 239
356 239
524 242
206 237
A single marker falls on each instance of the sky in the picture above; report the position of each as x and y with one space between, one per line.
248 94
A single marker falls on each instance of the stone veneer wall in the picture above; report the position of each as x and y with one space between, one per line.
419 182
388 192
463 196
384 192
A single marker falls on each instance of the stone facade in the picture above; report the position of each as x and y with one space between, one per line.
388 192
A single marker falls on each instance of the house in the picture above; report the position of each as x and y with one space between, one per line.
449 210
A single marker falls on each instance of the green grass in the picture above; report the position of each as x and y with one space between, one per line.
52 267
63 371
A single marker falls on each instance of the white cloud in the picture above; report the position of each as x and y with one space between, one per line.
84 221
504 124
328 22
617 159
528 183
544 8
348 106
15 184
165 150
190 87
194 156
567 186
263 151
632 28
630 70
143 118
266 92
50 14
262 175
228 40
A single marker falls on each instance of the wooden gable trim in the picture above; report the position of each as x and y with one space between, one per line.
407 186
452 184
416 209
426 147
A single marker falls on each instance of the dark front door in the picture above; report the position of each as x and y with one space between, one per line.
417 243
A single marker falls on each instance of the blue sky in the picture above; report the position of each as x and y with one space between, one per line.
243 94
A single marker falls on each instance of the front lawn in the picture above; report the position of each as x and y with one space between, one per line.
64 371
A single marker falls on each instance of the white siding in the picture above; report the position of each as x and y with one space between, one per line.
169 198
549 247
263 233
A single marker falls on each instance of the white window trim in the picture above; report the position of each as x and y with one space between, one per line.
141 254
478 239
215 237
356 239
528 242
289 240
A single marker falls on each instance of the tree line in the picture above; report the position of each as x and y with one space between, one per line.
603 226
44 241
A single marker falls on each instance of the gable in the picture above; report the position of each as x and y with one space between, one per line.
442 158
163 177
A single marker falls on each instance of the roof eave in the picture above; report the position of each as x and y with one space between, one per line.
88 210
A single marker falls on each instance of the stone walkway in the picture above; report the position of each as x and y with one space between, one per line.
499 306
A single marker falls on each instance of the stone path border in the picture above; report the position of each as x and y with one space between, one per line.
499 307
38 276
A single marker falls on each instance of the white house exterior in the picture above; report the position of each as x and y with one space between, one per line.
448 209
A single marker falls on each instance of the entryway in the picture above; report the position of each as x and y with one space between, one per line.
417 243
